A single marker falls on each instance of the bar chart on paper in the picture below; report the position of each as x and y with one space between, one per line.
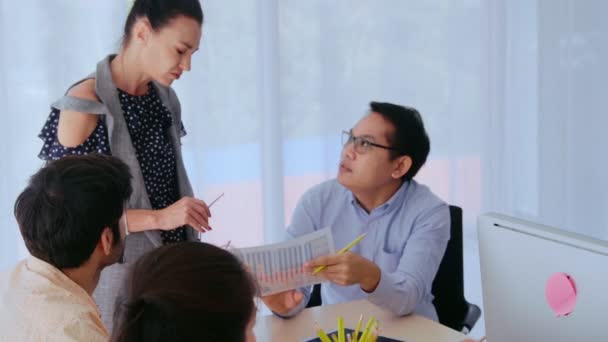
279 267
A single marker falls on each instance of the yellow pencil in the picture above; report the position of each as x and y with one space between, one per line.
374 336
342 251
334 337
367 330
341 337
322 335
364 335
356 332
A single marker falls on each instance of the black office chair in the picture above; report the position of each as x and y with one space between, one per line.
315 297
448 287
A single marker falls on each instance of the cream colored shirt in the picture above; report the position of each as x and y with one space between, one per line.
40 303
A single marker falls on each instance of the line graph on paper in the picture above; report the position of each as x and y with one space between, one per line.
279 267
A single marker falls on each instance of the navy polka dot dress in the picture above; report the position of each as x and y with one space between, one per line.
148 122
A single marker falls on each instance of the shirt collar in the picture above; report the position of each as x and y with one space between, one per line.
55 275
396 199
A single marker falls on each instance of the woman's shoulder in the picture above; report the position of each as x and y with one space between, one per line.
84 89
81 98
77 119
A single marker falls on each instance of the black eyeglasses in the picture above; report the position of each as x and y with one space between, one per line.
361 145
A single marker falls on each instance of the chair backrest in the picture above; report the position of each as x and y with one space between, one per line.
448 286
315 297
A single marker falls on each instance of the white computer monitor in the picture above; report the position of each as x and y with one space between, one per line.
517 260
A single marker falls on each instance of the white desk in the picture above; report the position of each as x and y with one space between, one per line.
410 328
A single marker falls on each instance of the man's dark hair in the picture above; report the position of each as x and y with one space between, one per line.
191 291
409 137
67 204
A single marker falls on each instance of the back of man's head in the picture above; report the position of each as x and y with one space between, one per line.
68 203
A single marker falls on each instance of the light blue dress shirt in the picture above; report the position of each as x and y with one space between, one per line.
406 237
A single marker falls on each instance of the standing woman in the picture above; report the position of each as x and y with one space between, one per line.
127 108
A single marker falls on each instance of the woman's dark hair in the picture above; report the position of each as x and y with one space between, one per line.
190 291
161 12
409 138
68 203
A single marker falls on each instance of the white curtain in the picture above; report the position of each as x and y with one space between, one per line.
44 47
544 95
511 93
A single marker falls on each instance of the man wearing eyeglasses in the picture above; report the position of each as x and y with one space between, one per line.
72 218
406 225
